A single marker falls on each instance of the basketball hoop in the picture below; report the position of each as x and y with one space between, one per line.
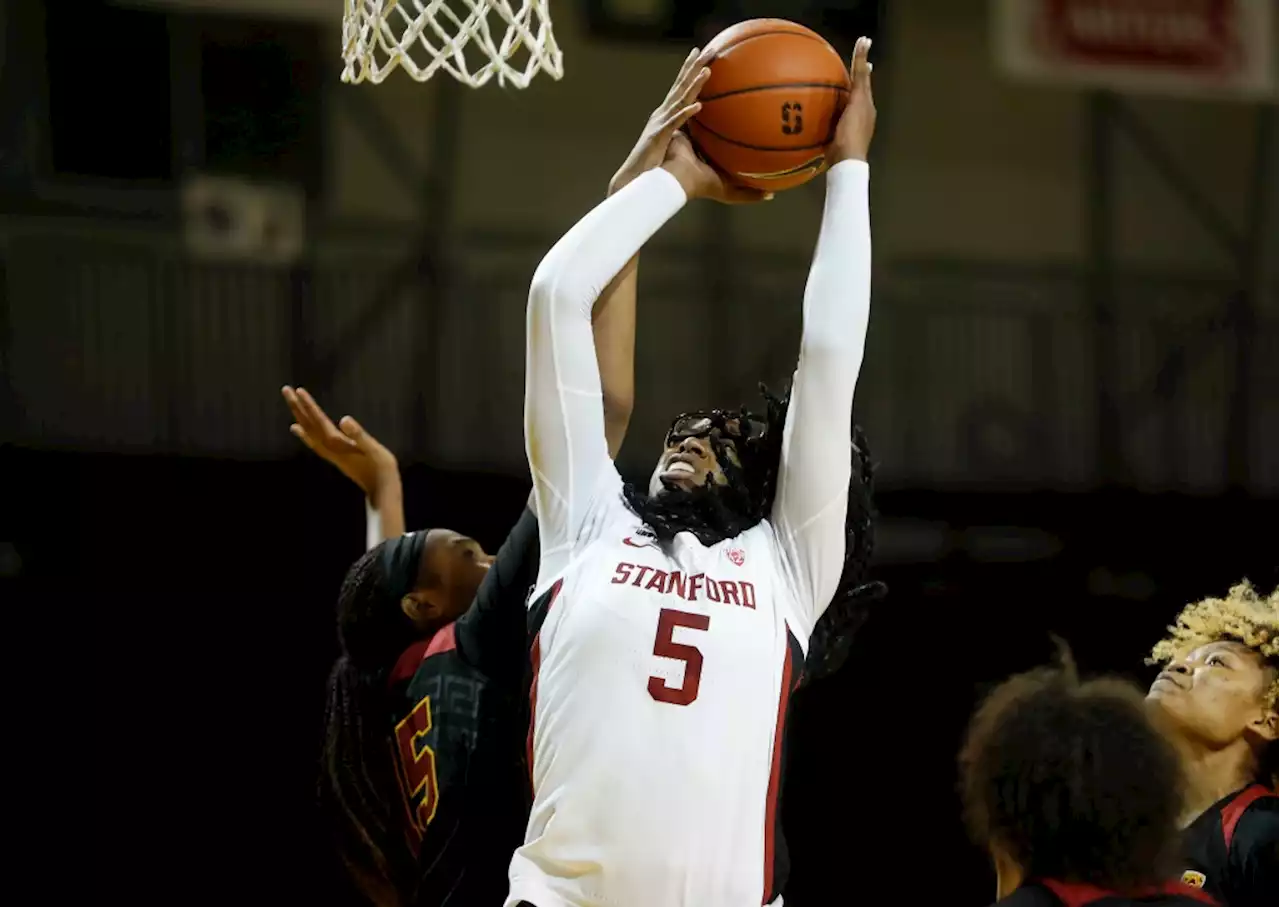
423 36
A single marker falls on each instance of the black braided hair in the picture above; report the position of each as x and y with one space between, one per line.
855 595
832 636
715 513
712 513
358 790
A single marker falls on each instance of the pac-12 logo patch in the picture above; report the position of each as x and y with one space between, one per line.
736 555
1193 878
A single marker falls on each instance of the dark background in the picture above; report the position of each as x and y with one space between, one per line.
205 615
169 560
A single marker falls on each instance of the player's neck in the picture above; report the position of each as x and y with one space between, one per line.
1212 774
1009 875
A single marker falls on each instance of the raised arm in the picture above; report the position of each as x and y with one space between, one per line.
565 435
564 419
815 468
359 456
614 326
491 634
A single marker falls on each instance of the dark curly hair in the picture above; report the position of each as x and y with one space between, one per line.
358 789
1072 781
714 514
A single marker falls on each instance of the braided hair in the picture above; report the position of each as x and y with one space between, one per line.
713 514
855 596
832 636
358 790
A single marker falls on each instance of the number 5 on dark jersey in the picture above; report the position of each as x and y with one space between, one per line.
417 764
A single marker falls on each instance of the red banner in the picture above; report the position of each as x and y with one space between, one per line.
1178 46
1182 33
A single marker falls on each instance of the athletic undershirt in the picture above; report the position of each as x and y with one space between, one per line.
661 673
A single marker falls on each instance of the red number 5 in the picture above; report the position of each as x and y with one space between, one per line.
666 647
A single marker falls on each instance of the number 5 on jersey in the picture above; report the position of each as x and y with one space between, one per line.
417 763
665 646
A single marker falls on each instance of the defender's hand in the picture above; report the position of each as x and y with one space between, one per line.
858 122
360 456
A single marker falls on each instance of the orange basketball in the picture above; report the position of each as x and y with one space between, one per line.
771 103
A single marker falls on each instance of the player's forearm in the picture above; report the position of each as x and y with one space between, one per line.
564 414
615 337
837 299
580 266
384 512
812 495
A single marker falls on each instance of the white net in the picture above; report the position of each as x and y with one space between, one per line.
510 40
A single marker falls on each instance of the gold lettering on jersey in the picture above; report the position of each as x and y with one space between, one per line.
690 587
1194 879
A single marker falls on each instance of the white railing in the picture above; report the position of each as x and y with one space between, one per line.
974 375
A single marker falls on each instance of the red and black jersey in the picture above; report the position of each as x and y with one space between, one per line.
1051 893
460 719
1230 850
458 736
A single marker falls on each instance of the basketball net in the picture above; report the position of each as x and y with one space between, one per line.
424 36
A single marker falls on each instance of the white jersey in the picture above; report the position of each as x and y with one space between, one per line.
662 673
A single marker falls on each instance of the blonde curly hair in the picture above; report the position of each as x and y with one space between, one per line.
1243 616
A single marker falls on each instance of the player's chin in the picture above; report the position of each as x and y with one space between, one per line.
675 481
1166 701
1162 689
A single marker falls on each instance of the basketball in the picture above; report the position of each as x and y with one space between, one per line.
771 103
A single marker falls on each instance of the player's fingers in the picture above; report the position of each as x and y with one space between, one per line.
741 195
301 434
694 67
316 415
860 70
677 119
354 431
307 404
693 85
291 399
684 69
677 86
859 55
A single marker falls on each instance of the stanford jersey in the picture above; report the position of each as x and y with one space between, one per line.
686 657
1050 893
662 673
1230 850
458 736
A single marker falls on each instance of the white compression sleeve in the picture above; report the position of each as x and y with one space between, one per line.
813 481
564 419
372 526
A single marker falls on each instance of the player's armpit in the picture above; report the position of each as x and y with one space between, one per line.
816 462
564 419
